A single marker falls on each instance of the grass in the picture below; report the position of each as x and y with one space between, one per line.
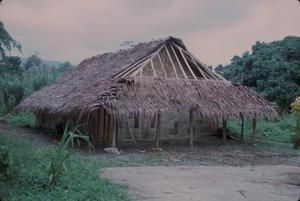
21 119
280 131
27 177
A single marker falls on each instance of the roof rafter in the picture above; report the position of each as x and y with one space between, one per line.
186 62
184 74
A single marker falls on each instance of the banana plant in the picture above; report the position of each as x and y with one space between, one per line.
57 166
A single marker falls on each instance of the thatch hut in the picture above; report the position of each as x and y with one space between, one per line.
155 90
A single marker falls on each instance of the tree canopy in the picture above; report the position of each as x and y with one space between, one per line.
7 43
273 69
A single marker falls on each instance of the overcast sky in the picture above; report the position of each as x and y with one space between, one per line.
213 30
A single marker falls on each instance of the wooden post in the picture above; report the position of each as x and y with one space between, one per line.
254 131
114 133
191 129
117 129
157 134
224 134
242 128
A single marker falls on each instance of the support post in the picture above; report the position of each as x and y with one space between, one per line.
157 134
254 131
191 129
114 133
224 134
242 128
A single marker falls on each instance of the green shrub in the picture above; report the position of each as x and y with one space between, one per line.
21 119
57 166
272 131
4 161
296 112
29 179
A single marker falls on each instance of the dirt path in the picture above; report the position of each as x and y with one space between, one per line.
210 183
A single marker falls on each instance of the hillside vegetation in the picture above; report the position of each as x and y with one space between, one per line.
272 69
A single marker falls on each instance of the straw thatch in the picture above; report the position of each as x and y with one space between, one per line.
92 85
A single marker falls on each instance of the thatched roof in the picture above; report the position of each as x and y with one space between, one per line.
94 84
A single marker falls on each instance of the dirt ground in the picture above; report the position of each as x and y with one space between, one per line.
208 172
209 183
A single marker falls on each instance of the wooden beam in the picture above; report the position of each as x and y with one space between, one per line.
162 65
157 132
254 131
242 128
101 124
131 133
205 69
114 133
224 132
178 61
152 66
186 62
191 129
131 68
198 67
140 68
168 53
135 66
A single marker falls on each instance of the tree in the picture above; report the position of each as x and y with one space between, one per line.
11 90
271 69
296 111
32 61
7 43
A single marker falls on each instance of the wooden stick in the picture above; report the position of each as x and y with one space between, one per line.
224 134
153 69
168 53
162 65
191 129
254 131
135 66
242 128
139 69
157 133
205 69
178 61
198 67
186 62
114 133
131 133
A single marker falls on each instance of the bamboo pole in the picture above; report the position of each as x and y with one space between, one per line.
242 128
224 134
114 133
157 134
254 131
191 129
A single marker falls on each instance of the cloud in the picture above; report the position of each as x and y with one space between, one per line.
214 30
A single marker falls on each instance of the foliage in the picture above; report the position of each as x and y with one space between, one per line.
21 119
11 92
296 111
7 43
4 161
16 84
32 61
271 69
11 82
29 180
267 131
57 166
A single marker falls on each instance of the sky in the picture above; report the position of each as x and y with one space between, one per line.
213 30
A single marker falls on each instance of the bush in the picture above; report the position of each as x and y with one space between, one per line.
296 112
271 131
57 166
4 161
21 119
29 179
